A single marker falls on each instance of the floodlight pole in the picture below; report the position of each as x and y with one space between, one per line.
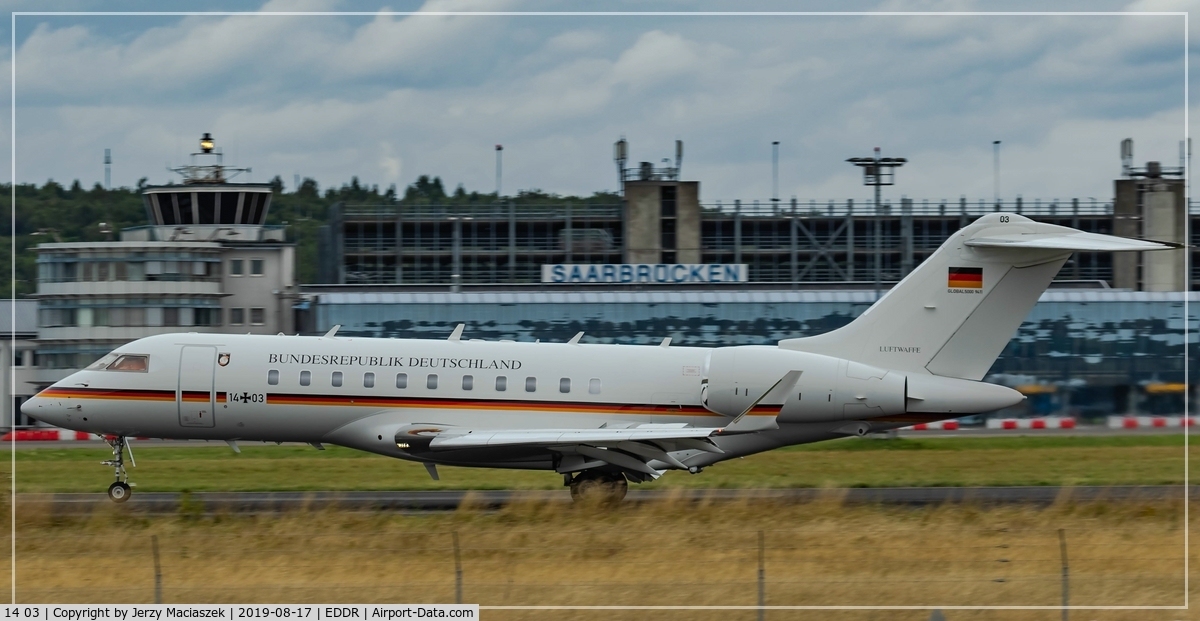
878 171
775 175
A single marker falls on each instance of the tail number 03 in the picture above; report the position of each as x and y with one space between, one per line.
245 397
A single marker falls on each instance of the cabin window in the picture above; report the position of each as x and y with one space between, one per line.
368 380
468 382
305 378
137 364
501 383
530 384
431 381
564 384
594 386
336 380
402 380
273 377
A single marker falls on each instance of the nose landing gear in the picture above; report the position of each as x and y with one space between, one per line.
120 490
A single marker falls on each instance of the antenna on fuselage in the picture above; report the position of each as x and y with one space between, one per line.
666 342
575 339
332 331
457 334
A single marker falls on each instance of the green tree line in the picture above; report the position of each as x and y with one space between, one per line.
54 213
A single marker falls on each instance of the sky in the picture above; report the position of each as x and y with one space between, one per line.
390 96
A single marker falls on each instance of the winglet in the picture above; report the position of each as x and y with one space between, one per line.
332 331
575 339
457 334
744 424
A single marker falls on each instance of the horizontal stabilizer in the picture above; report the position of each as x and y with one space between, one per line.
1076 241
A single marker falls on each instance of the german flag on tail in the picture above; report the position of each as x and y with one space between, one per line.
965 278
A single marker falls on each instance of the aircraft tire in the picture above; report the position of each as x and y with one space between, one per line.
119 492
599 488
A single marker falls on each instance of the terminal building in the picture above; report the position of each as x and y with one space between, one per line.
660 219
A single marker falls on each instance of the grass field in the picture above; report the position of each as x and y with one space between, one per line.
670 553
1020 460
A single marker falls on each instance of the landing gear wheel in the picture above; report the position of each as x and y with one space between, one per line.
119 492
599 488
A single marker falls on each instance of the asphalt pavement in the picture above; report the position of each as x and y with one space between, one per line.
449 500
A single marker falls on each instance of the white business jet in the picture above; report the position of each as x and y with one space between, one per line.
600 415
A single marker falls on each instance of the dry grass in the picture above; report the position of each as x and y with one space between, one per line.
670 553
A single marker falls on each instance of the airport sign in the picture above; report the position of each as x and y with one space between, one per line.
645 273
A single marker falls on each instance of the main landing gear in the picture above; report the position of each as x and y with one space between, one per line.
598 487
119 491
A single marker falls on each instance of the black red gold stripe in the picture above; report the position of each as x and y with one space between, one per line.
494 405
125 395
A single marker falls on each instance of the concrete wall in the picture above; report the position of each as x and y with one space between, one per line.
1126 223
269 291
1164 217
643 213
687 222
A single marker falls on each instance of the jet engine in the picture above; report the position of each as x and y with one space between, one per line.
834 389
829 389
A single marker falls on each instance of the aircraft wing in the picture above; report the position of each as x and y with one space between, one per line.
640 450
455 439
1068 241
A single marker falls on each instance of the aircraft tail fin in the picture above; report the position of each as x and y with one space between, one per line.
953 315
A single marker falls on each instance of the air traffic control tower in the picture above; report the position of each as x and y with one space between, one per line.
206 262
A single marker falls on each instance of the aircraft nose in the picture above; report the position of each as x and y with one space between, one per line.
41 408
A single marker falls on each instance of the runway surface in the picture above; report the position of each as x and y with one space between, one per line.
269 502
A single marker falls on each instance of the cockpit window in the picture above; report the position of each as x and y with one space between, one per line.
131 362
102 363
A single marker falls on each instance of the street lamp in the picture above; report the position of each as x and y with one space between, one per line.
499 156
878 172
775 175
996 170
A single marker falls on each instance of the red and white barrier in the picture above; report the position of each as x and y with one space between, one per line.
944 425
1150 422
1043 422
47 434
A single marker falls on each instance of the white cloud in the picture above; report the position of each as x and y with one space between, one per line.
387 98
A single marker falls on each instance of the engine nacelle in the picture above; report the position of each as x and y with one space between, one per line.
829 389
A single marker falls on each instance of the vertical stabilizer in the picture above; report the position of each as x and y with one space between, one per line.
953 315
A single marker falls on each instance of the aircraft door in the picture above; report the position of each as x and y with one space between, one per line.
195 394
